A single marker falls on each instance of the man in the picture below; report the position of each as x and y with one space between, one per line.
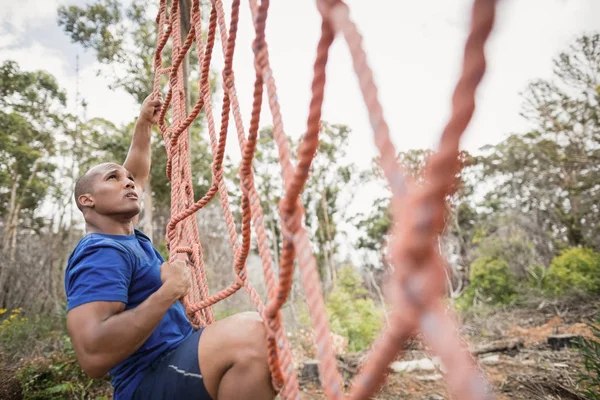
124 315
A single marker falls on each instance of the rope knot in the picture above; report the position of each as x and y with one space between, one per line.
291 219
241 277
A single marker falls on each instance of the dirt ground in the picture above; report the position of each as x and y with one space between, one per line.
532 371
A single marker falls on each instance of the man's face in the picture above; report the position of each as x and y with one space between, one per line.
114 191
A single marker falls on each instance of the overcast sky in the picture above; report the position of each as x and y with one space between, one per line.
414 47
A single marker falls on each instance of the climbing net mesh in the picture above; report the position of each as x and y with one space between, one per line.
417 284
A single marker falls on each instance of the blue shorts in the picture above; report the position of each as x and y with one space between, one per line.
175 375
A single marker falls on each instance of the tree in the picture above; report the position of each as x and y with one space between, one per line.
552 172
330 187
31 120
124 39
28 123
376 225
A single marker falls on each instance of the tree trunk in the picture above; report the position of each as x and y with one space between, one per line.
185 11
380 296
275 242
325 270
9 219
330 263
13 233
10 235
146 223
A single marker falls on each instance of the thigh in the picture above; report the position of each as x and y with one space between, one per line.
176 375
226 341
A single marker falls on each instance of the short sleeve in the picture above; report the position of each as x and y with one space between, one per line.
99 272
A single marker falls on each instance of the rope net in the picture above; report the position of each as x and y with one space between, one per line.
416 286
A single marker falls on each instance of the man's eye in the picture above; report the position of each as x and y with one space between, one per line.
112 177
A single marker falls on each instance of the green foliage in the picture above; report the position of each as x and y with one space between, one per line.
94 27
537 276
375 226
351 313
118 35
22 336
123 37
30 117
331 174
48 366
590 349
575 269
491 282
162 249
551 173
505 240
60 377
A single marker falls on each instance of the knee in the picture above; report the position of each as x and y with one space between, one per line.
252 345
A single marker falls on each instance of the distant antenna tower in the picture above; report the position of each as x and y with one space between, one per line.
77 92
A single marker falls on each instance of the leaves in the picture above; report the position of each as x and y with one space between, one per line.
123 38
28 125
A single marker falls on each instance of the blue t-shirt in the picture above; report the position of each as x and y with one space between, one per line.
125 269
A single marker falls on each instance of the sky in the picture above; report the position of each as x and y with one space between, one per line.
414 48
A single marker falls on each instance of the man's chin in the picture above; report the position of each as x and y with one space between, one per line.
135 212
131 213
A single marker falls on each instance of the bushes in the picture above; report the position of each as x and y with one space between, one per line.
23 337
491 282
576 269
38 346
60 377
590 349
351 313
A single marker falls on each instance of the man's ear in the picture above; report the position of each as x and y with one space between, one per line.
86 200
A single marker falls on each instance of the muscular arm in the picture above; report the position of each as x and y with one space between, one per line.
139 155
103 334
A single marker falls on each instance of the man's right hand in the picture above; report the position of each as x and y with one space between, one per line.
176 278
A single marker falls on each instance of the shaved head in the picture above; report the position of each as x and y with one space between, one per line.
85 183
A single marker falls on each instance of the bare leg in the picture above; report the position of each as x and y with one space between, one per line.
232 356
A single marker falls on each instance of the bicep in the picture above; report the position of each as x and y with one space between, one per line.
83 322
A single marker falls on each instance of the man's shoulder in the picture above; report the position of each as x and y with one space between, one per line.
141 236
93 246
94 241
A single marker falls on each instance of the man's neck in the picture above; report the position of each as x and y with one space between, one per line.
109 226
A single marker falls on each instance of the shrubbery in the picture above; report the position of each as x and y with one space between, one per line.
575 270
491 282
60 377
23 337
41 350
590 349
351 313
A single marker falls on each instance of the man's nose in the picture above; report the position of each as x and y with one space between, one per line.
130 184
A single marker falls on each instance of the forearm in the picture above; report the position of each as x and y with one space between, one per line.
139 156
120 335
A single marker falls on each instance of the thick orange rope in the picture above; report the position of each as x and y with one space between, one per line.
417 284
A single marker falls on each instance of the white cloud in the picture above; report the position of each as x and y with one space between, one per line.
36 57
25 14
